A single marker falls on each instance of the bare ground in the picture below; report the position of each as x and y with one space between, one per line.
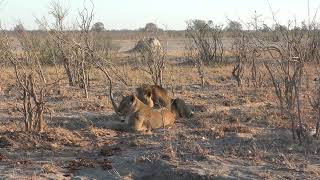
235 134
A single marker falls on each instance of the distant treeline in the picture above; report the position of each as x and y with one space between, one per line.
121 34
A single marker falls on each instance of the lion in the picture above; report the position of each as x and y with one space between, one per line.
161 98
146 97
180 107
141 117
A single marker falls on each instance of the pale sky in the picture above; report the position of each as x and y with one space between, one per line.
173 14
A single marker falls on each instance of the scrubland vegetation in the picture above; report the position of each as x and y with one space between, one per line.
254 90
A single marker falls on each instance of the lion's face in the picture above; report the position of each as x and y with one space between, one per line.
126 105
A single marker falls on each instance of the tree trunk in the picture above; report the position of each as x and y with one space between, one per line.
318 125
40 117
67 69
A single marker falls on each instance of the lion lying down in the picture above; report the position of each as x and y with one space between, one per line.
156 96
141 117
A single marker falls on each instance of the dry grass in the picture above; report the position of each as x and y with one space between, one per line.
232 128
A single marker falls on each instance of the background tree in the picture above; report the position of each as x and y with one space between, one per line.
199 24
18 27
151 27
304 26
234 26
279 27
98 27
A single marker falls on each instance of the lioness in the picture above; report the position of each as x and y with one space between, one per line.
141 117
161 98
147 98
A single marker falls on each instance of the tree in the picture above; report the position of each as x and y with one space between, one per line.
279 27
198 24
304 26
98 27
234 26
18 27
151 27
265 28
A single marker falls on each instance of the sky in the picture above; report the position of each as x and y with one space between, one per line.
167 14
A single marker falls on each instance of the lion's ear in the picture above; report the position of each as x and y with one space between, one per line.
132 99
149 94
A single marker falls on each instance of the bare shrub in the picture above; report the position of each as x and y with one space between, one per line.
59 35
75 60
284 61
237 71
240 48
31 81
204 44
290 54
84 58
150 57
78 51
314 100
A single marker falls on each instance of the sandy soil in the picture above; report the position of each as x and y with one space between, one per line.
236 133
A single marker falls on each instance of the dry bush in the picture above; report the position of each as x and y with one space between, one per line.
240 48
78 50
286 66
204 45
150 57
314 100
248 55
34 86
75 61
287 73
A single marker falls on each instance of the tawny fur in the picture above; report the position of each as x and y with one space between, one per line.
142 118
161 98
